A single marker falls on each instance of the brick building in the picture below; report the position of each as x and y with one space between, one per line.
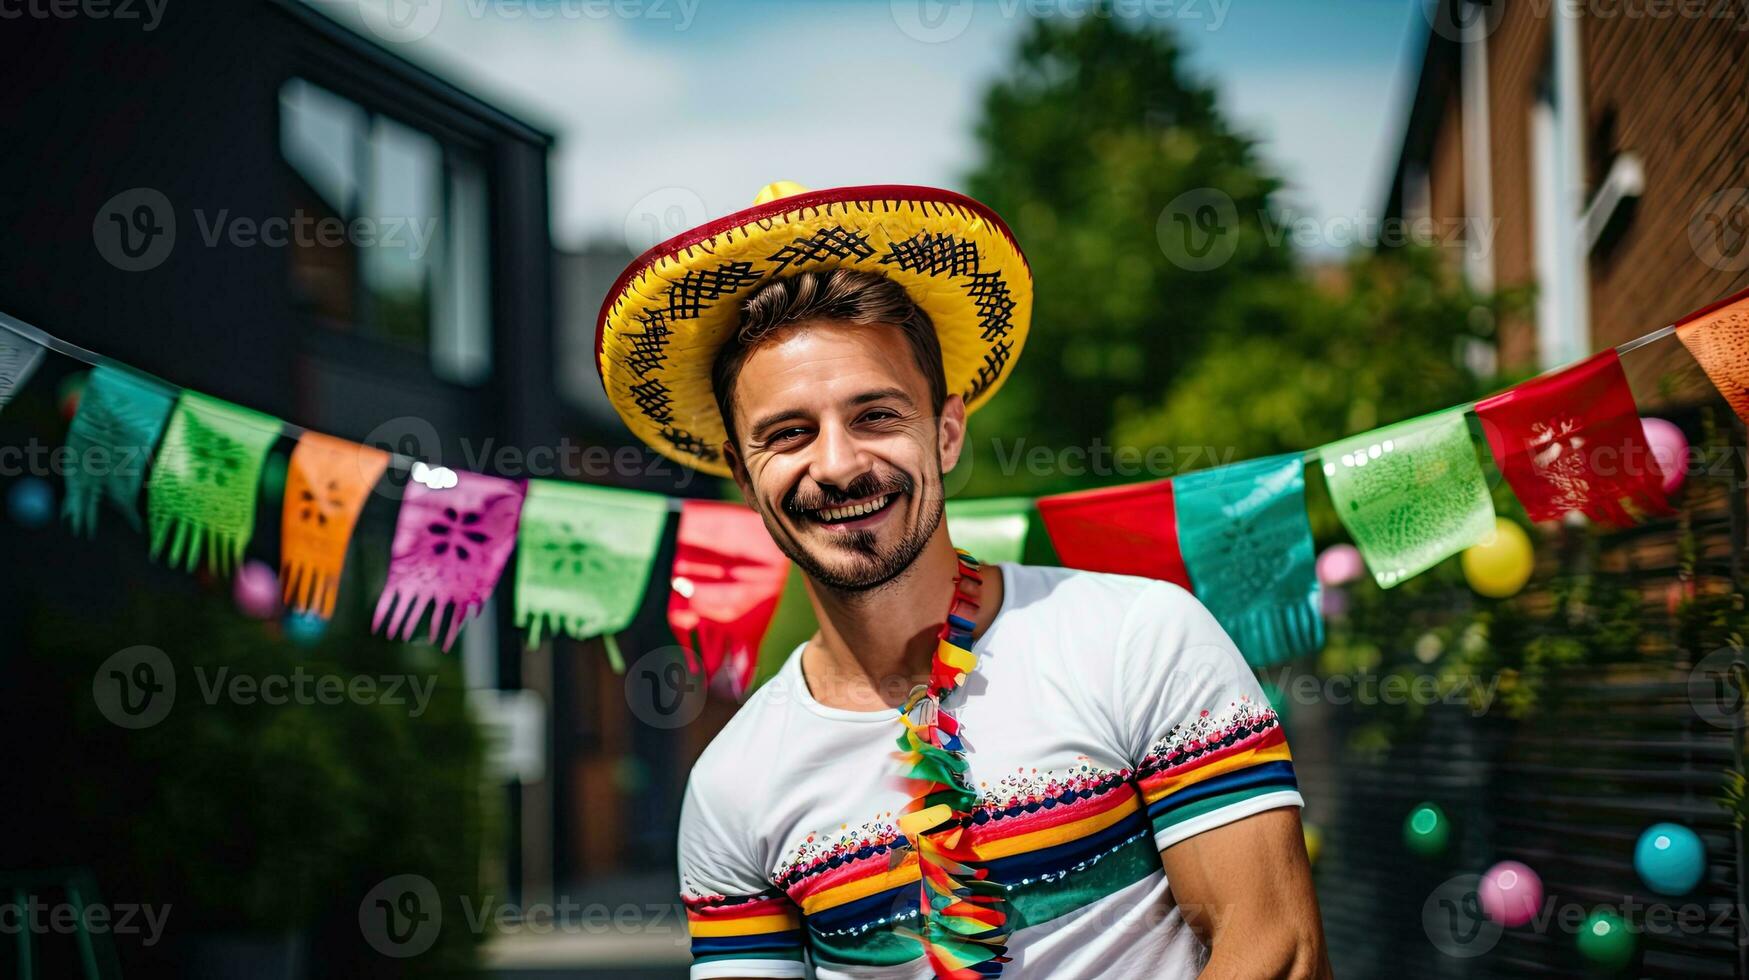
1594 150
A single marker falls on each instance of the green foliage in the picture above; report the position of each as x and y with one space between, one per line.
249 816
1090 135
1383 347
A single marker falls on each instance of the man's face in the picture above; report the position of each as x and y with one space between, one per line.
837 447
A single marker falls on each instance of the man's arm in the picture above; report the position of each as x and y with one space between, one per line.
1245 888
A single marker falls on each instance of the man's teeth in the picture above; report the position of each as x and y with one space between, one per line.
855 510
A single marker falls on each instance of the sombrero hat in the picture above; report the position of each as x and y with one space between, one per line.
665 317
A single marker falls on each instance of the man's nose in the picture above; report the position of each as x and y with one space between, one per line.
838 458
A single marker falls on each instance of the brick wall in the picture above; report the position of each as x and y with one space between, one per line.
1674 91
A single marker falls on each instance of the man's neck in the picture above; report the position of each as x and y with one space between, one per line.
874 646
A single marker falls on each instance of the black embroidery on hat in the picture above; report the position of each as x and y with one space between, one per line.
686 298
995 306
649 349
827 243
653 401
934 254
994 360
686 442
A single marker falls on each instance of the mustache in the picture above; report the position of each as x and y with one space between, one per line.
867 485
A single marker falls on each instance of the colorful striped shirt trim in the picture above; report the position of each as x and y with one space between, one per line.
763 926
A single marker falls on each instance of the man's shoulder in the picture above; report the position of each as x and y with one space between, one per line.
722 769
1052 590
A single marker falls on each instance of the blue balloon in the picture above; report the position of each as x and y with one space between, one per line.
305 629
1670 858
31 501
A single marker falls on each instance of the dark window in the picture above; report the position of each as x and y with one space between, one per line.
392 231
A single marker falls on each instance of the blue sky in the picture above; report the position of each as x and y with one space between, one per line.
671 112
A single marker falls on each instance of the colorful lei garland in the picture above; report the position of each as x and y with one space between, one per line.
963 913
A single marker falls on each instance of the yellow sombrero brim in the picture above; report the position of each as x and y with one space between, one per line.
664 319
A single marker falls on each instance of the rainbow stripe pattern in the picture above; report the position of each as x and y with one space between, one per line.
1215 761
756 927
1057 841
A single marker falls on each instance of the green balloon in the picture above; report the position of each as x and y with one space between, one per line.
1426 830
1605 939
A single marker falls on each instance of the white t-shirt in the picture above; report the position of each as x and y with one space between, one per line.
1109 718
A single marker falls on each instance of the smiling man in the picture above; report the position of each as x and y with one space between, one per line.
969 770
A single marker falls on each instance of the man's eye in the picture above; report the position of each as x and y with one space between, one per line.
785 434
879 415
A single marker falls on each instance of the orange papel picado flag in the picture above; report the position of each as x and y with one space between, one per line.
1718 337
326 487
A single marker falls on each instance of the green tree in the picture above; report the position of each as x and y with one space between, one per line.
1088 144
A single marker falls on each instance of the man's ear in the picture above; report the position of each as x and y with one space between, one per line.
738 469
951 431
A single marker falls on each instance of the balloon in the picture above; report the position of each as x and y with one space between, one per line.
31 501
256 590
305 629
1669 448
1511 893
1334 603
1606 940
1670 858
1314 842
1426 830
1502 563
1339 564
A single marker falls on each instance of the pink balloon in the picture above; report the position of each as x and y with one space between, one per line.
1339 564
1510 893
1669 448
256 590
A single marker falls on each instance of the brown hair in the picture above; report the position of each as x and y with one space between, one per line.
846 295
